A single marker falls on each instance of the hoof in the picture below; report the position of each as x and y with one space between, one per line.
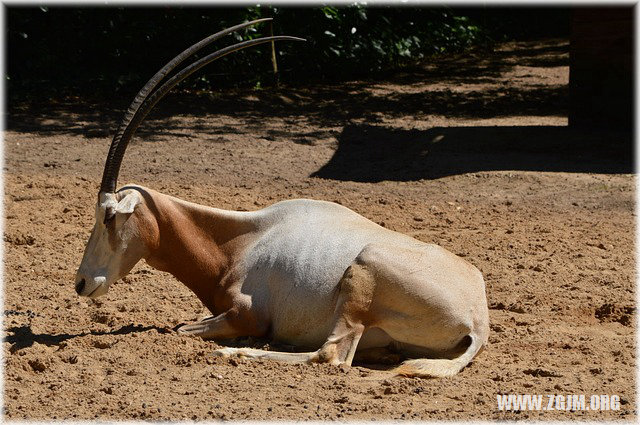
184 330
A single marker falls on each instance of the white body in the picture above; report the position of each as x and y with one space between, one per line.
294 267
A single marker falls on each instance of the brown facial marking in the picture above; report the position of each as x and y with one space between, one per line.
111 233
109 214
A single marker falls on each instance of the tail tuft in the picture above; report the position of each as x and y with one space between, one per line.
439 368
428 368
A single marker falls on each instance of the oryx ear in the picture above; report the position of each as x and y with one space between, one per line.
129 203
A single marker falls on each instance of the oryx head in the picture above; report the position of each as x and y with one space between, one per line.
117 243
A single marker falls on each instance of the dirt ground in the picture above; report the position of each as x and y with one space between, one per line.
470 152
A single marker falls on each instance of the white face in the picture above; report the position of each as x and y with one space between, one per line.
114 247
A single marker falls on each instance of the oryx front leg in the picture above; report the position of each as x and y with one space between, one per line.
339 349
227 325
253 353
211 327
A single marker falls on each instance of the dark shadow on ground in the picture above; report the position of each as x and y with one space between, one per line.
369 153
327 104
23 337
372 152
321 106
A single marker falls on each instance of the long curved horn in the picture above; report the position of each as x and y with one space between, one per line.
143 103
159 76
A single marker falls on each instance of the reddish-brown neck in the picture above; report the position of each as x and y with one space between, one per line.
199 246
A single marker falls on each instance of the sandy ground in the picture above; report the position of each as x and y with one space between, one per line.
470 152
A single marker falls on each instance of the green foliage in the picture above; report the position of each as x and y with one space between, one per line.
355 41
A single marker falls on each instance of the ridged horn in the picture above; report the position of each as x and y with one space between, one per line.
143 103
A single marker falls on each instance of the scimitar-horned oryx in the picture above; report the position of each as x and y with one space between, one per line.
308 273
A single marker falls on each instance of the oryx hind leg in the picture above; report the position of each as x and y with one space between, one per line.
354 297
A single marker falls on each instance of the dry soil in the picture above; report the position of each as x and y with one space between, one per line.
471 152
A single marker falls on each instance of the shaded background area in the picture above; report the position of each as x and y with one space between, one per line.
55 51
495 88
74 70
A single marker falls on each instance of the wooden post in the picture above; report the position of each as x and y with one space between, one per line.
274 59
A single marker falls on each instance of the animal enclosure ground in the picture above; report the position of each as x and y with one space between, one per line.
470 152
